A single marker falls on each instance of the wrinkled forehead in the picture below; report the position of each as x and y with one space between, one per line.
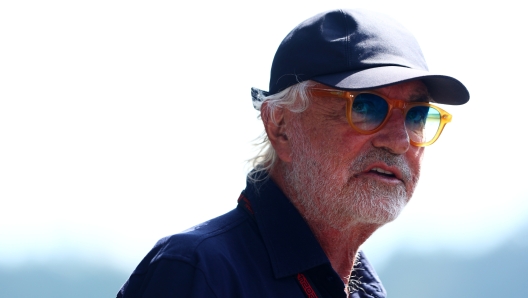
408 91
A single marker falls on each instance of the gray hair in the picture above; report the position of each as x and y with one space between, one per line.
294 98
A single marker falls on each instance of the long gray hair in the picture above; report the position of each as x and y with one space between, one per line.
296 99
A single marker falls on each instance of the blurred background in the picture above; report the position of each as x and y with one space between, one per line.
122 122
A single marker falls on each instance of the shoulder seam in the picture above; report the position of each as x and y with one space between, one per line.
201 238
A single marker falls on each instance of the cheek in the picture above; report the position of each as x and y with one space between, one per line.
344 150
350 142
414 158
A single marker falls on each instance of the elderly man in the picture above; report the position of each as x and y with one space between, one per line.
347 118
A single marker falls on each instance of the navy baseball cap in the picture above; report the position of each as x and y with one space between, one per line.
355 50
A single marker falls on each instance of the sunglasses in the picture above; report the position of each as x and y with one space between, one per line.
367 112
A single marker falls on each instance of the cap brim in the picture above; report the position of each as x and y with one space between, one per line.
443 89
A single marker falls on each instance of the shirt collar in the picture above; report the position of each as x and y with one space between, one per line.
290 243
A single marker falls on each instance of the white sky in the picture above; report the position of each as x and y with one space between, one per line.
125 121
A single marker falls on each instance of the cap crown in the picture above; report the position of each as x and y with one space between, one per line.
343 41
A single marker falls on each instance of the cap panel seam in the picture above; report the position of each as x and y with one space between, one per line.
347 38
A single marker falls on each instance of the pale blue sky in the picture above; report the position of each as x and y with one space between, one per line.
125 121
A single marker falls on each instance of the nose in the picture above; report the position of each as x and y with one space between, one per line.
393 137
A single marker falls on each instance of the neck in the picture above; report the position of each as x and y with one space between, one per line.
341 244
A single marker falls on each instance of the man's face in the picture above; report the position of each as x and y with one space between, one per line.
341 177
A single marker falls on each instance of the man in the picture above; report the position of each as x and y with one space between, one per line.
347 117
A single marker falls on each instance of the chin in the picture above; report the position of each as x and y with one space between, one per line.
379 209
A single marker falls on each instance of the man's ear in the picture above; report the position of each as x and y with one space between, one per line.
275 126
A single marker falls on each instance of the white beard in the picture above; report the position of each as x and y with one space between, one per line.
338 198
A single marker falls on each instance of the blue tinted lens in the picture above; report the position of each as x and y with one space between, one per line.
368 111
422 123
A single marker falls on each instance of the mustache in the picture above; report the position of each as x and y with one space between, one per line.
365 159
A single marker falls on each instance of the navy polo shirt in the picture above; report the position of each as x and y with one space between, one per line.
262 248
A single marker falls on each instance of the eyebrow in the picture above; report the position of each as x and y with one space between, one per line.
421 97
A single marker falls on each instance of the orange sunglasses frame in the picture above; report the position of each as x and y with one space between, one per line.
405 106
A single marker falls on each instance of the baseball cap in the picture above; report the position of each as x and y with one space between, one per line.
356 50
